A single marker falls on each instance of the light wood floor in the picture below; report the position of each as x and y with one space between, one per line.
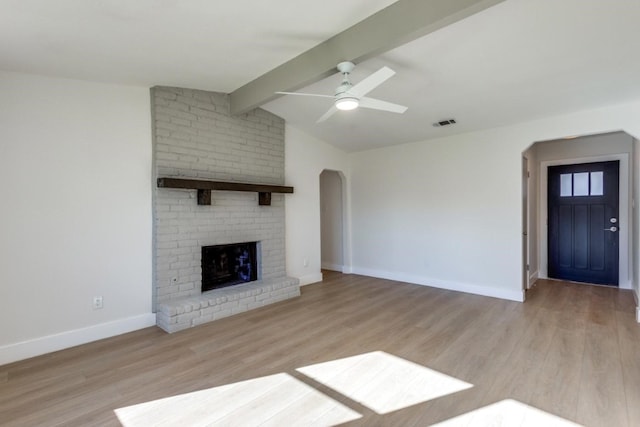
571 350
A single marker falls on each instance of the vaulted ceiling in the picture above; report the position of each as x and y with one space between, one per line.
514 61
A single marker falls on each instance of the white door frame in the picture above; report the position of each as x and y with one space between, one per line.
526 262
624 278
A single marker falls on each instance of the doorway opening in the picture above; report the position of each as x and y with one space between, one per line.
550 160
332 220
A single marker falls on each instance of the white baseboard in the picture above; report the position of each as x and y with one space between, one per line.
332 267
310 278
512 295
626 285
38 346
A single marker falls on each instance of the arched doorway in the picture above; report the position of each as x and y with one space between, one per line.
332 220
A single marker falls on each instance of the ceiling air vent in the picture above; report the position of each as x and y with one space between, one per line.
444 123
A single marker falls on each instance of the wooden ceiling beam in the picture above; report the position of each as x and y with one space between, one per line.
393 26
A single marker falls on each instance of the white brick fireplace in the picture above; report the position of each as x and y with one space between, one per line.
196 137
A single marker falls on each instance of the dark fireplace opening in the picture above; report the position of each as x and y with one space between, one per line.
228 265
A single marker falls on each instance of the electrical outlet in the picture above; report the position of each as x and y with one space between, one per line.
97 303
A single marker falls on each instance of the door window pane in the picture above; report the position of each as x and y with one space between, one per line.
581 184
565 185
596 184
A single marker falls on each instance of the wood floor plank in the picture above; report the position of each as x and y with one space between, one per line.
557 382
571 350
520 371
601 387
629 340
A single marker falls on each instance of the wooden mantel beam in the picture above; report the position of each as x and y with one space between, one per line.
205 187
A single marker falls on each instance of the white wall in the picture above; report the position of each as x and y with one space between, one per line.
587 146
305 158
331 217
447 212
593 148
75 167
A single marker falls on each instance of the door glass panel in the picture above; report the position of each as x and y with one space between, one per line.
565 185
581 184
596 184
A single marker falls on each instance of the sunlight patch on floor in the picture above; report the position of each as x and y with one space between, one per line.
275 400
507 413
383 382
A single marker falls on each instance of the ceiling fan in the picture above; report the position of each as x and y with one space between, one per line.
349 96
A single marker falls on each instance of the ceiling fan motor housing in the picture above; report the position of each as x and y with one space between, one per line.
346 67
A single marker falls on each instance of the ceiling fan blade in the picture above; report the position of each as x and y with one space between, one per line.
328 114
305 94
374 80
376 104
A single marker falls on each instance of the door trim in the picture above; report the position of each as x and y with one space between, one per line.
624 278
526 261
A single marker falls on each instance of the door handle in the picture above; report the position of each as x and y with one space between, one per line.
612 229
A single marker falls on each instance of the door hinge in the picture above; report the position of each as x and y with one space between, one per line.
528 174
527 267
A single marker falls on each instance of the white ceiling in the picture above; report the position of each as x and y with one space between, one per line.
516 61
216 45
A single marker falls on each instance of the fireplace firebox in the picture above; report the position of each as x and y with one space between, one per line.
228 265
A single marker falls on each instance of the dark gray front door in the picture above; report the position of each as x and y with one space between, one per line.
583 222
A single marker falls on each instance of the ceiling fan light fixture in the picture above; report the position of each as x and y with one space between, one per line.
349 96
347 103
